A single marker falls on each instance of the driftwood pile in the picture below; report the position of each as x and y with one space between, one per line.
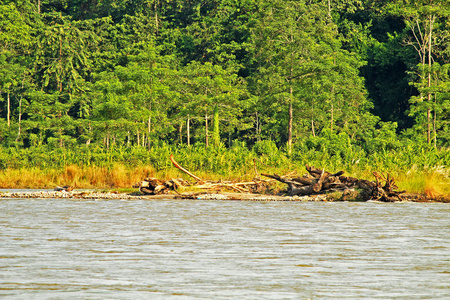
317 181
154 186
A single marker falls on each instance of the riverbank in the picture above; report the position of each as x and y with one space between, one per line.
415 169
114 195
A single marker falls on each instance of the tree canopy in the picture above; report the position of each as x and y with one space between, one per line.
218 72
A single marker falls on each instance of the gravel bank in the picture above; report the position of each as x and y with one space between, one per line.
135 196
97 195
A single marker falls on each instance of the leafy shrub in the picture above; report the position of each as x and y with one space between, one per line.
266 147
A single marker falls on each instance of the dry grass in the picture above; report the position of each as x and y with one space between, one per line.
431 184
116 176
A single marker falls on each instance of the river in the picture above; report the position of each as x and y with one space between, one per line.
188 249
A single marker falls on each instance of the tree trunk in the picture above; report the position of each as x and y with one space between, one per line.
434 123
429 110
312 120
258 126
291 113
188 132
138 138
206 130
149 130
216 130
290 127
156 18
88 142
60 64
329 8
20 120
431 19
180 133
9 110
149 124
332 118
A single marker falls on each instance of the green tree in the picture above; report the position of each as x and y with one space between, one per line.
302 66
63 55
15 41
336 94
216 129
285 41
426 24
209 87
62 63
436 84
15 33
137 95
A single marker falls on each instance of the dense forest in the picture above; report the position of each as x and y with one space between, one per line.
371 75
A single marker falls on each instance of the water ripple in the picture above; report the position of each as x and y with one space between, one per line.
54 249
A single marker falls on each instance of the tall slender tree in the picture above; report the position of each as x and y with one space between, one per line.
423 20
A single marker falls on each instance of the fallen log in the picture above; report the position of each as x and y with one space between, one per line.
303 185
155 186
386 192
183 169
303 180
319 181
295 187
317 186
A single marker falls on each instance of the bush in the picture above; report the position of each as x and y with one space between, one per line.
266 147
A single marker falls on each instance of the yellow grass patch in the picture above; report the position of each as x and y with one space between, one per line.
431 184
116 176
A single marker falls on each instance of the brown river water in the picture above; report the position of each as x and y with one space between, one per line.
187 249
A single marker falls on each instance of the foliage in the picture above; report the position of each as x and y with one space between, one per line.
225 84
